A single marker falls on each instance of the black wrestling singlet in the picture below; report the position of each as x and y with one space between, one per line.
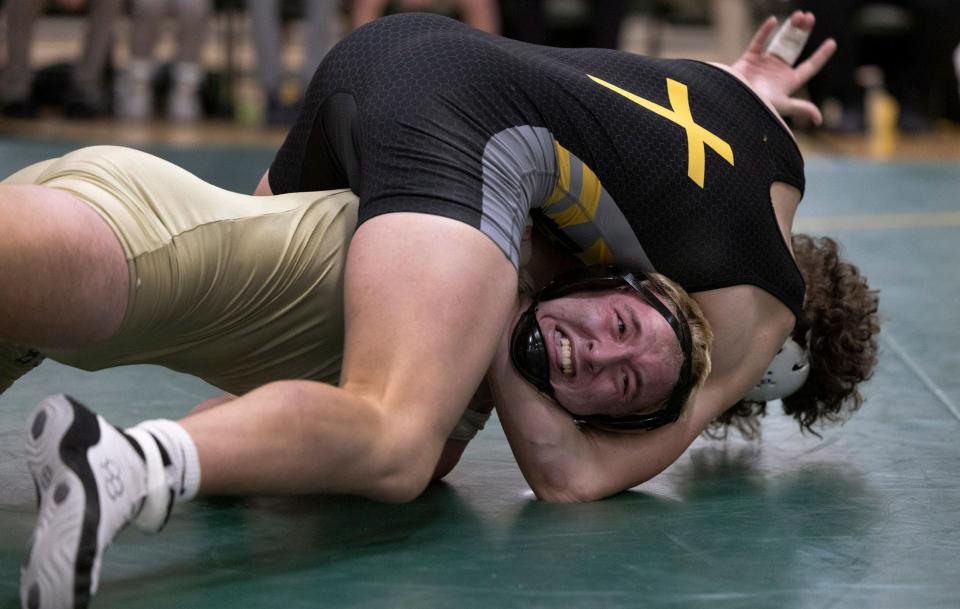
646 162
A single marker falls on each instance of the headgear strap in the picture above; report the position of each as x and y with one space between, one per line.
528 351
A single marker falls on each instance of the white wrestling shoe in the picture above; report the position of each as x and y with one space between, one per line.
91 481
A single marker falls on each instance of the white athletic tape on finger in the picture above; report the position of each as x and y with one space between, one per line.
788 42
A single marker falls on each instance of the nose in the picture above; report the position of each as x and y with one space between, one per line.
600 354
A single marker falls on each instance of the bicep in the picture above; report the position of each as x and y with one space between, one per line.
749 326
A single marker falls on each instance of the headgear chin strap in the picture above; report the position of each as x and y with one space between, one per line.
784 376
528 351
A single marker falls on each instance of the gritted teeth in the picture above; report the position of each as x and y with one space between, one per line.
566 356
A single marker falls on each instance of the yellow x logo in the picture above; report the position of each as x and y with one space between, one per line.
679 113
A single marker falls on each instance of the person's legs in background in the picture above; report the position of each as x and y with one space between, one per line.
21 18
135 85
318 36
265 19
86 97
183 103
281 106
134 89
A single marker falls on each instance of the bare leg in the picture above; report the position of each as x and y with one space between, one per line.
69 270
426 300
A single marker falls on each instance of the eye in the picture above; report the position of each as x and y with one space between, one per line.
626 385
621 327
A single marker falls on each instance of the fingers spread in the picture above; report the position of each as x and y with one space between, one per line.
801 107
802 20
815 62
759 41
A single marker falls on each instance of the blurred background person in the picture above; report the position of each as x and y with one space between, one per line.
570 23
134 91
481 14
85 96
318 36
912 41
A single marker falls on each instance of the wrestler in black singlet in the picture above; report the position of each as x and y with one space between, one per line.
646 162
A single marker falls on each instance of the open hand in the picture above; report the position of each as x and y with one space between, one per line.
775 80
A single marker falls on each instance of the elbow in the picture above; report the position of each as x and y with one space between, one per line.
561 485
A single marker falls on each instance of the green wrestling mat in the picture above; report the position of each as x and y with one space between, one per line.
867 517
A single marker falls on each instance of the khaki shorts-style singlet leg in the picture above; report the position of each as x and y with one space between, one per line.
235 289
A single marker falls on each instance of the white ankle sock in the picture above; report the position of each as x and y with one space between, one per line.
181 466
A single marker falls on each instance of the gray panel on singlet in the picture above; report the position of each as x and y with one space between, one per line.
608 223
519 171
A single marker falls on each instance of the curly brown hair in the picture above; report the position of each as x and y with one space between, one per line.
838 328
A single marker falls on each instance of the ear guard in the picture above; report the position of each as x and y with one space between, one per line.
528 351
786 374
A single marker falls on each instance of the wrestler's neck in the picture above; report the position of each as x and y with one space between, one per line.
740 77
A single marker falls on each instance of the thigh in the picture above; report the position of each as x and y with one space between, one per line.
67 266
426 300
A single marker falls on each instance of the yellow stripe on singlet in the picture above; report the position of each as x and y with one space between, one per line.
698 138
584 207
563 180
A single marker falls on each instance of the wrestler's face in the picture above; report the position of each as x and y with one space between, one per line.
610 352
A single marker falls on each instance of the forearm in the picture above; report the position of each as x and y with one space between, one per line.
550 450
571 464
554 455
566 463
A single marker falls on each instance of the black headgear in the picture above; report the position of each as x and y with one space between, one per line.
528 351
